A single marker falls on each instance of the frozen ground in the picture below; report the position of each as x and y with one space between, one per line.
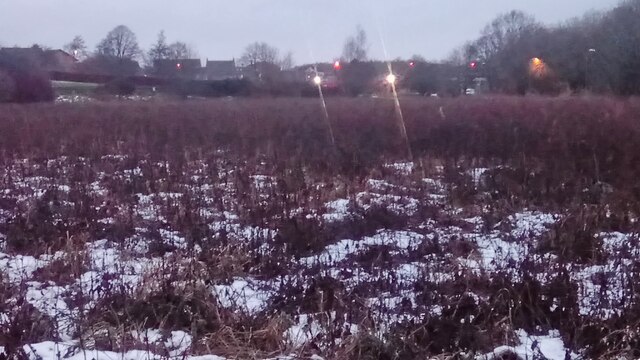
379 256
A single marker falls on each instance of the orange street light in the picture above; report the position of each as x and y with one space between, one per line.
537 67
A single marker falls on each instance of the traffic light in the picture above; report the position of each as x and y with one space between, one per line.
473 65
412 64
337 65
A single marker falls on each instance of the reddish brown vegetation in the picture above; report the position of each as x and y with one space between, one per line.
579 157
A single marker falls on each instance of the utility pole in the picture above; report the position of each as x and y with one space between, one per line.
587 72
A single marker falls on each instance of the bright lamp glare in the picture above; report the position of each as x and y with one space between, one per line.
391 79
317 80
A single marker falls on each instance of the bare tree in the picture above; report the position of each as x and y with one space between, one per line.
417 58
356 47
121 43
160 50
259 52
41 47
77 48
180 50
286 63
633 4
458 56
504 30
617 55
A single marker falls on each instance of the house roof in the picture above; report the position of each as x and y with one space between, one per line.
61 53
221 67
173 63
47 59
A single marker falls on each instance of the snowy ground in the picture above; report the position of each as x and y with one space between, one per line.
370 258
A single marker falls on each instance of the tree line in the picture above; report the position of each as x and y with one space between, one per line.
599 52
119 53
515 53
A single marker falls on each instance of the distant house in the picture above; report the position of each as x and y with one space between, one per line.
59 60
326 72
108 66
189 69
261 71
220 70
47 60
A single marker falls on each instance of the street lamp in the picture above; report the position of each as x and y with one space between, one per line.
587 71
536 61
537 67
536 70
391 79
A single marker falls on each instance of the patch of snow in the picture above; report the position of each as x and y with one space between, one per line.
382 186
550 347
107 221
147 209
399 205
133 172
476 175
177 343
64 188
617 244
242 233
310 328
507 251
601 288
337 210
19 268
72 99
50 350
242 294
401 168
304 331
476 221
169 195
173 238
49 300
105 259
333 254
434 184
96 189
530 223
116 157
262 182
4 320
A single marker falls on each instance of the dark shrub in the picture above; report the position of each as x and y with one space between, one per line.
7 87
120 86
28 82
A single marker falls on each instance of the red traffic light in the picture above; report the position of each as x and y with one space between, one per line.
337 65
412 64
178 66
473 65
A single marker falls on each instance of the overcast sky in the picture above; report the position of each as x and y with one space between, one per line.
313 30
